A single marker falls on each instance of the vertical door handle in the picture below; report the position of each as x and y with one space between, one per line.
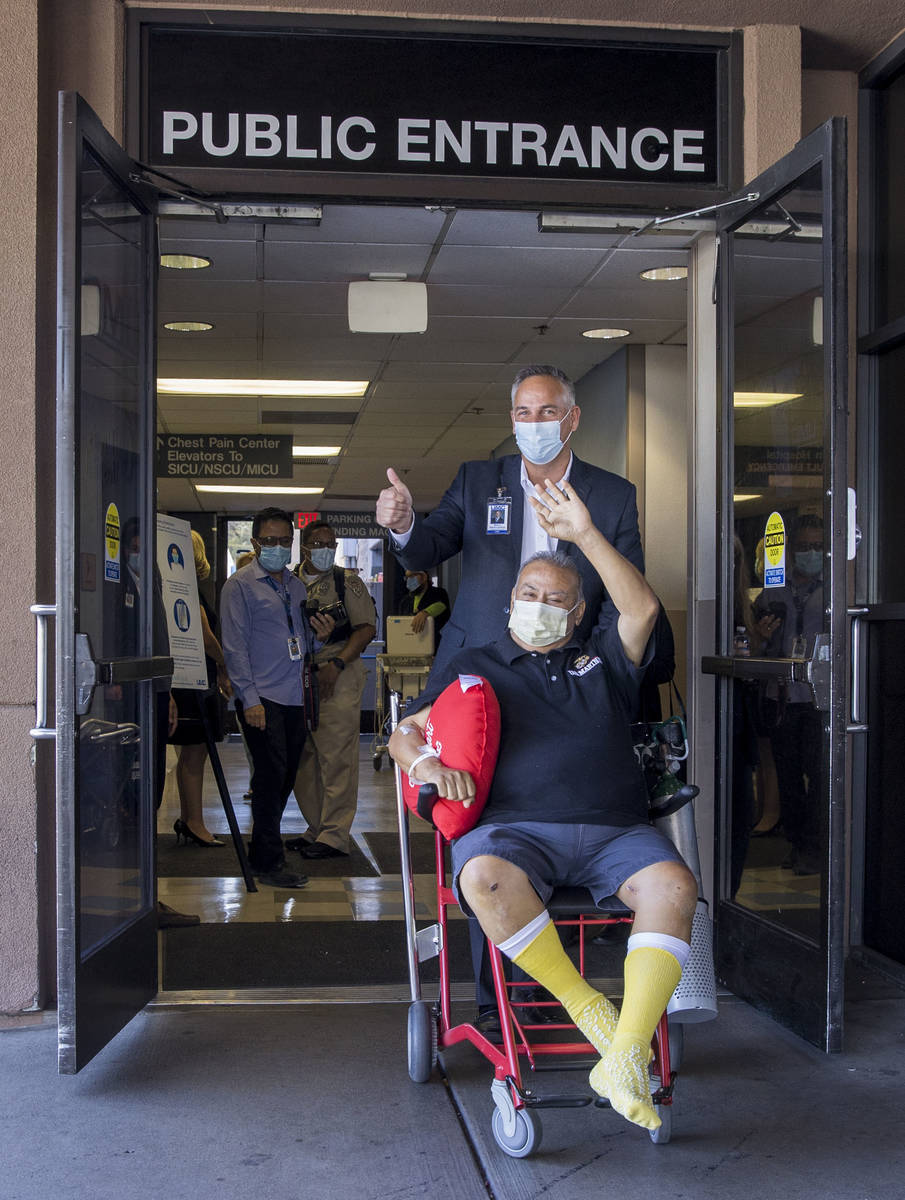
856 724
43 613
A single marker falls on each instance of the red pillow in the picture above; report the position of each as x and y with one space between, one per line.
464 728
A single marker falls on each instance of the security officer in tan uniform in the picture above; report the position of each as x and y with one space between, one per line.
326 786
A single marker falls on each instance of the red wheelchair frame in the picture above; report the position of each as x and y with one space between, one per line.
515 1123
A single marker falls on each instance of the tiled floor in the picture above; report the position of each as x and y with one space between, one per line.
367 898
363 898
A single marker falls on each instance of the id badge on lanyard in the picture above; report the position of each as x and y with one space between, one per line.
499 513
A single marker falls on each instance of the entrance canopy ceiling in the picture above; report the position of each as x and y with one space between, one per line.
501 294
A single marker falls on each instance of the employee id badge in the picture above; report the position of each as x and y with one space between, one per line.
295 650
499 513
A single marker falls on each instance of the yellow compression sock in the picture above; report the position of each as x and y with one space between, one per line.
545 960
651 977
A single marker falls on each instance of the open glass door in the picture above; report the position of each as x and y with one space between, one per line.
780 906
107 930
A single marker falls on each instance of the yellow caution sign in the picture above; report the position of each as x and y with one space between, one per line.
112 537
775 551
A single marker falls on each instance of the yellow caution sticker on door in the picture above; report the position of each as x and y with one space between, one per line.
111 544
775 551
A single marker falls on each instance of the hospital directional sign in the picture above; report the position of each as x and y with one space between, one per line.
224 456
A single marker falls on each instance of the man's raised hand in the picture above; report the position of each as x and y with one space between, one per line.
394 505
560 513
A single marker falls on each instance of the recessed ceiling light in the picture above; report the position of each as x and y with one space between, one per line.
184 262
739 497
258 489
605 333
188 326
262 387
316 451
665 274
763 399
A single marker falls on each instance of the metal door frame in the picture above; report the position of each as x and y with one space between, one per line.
131 956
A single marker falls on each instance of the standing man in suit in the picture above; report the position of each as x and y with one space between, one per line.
486 513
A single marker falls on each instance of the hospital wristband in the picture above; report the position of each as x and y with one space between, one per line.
427 752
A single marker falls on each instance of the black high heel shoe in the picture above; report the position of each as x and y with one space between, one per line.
183 833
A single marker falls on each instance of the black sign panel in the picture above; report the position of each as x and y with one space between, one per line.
313 102
224 456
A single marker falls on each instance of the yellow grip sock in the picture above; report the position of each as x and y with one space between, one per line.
545 960
651 977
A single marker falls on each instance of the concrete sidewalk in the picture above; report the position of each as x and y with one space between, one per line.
310 1102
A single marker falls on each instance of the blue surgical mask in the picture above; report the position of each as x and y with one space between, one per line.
809 562
134 561
539 441
413 582
322 557
274 558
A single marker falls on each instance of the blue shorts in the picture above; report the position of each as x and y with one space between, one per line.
597 857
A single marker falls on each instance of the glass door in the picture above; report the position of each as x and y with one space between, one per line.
780 909
107 928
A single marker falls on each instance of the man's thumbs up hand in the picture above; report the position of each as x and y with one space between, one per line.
394 505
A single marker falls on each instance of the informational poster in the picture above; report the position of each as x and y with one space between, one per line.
775 551
176 562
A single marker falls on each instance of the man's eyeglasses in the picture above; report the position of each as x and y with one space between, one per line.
275 541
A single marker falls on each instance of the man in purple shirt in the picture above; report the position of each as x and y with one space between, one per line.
266 638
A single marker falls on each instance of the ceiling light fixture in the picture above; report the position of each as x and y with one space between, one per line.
258 489
606 333
188 326
300 388
763 399
316 451
740 497
665 274
184 262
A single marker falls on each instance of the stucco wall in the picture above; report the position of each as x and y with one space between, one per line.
18 871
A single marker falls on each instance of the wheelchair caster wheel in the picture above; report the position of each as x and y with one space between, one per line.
662 1135
377 760
422 1041
525 1138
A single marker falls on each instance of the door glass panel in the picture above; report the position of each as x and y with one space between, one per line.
114 768
889 587
778 809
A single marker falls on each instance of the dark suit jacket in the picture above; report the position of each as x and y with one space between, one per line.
490 562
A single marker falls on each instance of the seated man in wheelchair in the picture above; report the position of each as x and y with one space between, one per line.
568 804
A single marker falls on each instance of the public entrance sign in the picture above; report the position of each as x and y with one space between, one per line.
477 105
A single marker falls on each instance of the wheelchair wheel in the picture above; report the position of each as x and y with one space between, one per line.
422 1041
663 1134
377 761
526 1137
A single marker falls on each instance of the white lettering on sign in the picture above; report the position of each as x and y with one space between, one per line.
434 140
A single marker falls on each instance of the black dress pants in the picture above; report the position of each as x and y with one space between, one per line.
275 751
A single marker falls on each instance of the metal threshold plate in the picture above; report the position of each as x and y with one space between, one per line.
387 993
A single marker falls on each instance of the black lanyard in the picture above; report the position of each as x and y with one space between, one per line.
284 596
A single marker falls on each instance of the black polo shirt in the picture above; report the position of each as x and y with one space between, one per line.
566 752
